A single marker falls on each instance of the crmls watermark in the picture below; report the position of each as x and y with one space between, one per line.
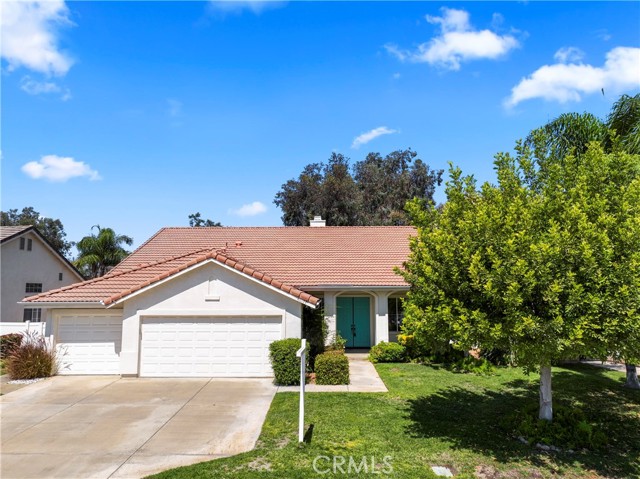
352 465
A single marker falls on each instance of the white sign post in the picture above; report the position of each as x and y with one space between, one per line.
302 353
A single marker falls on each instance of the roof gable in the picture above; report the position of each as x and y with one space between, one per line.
119 285
8 233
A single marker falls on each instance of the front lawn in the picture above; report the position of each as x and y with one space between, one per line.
431 416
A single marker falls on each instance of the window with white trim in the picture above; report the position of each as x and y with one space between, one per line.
396 313
32 314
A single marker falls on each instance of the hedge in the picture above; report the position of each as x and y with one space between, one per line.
285 364
387 353
332 369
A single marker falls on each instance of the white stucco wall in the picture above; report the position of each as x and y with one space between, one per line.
192 294
19 267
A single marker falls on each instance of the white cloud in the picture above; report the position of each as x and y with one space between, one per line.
250 209
35 87
396 76
58 169
565 82
603 34
569 55
29 35
239 6
458 42
367 136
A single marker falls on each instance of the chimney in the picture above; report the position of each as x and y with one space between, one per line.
317 222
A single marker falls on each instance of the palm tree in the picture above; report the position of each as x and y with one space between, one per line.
624 119
97 254
571 133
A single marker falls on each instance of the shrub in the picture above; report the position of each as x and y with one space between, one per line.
34 358
413 349
387 353
569 429
499 357
421 352
473 365
285 364
332 368
337 343
8 343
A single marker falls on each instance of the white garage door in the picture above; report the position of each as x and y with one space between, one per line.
207 347
89 344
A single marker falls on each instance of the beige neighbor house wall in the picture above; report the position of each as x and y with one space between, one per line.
207 290
19 267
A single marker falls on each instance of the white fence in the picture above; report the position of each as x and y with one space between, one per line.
22 327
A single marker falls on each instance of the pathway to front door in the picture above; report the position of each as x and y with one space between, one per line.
354 320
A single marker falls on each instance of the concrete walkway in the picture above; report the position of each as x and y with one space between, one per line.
601 364
362 374
110 427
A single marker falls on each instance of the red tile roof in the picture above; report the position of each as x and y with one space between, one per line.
292 259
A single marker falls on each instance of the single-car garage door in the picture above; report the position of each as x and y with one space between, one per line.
89 343
208 347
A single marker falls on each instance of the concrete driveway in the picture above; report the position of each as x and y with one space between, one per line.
107 427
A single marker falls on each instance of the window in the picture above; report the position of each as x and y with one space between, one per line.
32 314
34 288
396 314
22 243
29 244
59 276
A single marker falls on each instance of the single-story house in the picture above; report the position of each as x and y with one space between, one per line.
207 302
29 265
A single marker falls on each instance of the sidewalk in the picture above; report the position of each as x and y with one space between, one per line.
600 364
363 375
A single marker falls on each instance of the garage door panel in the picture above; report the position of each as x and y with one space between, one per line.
89 344
207 347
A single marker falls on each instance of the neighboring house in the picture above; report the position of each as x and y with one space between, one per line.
29 265
208 301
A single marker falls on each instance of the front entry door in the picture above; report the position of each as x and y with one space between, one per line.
354 320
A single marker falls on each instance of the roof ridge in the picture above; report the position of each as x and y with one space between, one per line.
227 261
277 227
142 245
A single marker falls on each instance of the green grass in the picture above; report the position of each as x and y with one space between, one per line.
432 416
3 367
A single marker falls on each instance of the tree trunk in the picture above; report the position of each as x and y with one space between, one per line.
546 407
632 377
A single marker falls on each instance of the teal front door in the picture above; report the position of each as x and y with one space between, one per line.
354 321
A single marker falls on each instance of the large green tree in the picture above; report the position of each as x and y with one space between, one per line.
545 263
98 253
197 221
573 133
372 192
51 229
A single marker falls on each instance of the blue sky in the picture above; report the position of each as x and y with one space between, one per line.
134 114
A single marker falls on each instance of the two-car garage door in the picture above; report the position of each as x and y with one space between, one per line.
207 347
170 346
